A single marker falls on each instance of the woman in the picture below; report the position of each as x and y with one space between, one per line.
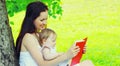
27 44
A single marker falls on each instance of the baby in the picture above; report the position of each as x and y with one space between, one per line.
48 49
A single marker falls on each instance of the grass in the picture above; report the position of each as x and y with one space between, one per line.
96 19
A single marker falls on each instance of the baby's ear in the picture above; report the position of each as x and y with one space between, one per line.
44 40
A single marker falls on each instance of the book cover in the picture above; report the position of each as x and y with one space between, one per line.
75 60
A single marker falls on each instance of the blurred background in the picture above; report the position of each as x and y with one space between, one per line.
99 20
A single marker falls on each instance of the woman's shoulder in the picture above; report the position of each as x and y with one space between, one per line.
29 37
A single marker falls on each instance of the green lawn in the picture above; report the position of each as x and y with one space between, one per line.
99 20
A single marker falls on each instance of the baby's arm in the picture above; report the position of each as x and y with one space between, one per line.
48 55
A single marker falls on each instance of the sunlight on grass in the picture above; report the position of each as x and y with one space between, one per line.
96 19
17 19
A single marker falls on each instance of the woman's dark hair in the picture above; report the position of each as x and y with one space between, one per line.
32 12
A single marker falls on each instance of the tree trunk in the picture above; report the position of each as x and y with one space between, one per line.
7 53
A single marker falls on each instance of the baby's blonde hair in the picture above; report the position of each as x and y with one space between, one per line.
45 33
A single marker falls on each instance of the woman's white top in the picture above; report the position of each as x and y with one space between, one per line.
27 60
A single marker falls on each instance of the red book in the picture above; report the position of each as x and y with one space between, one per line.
77 58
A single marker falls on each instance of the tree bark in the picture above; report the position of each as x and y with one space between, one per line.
7 52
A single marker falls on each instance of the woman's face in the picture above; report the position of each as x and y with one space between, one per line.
41 21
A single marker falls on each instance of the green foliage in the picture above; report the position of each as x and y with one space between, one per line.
14 6
11 23
55 8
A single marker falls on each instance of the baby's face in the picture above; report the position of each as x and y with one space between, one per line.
52 38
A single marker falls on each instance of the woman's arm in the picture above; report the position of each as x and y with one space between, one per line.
31 44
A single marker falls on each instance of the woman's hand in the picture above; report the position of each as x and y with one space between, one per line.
84 50
73 51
